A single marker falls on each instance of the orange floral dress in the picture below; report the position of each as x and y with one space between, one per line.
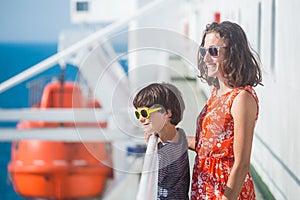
214 148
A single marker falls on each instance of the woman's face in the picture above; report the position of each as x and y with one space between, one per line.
214 63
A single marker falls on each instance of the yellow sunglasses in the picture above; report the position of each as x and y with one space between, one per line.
145 112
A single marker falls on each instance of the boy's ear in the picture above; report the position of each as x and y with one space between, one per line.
169 113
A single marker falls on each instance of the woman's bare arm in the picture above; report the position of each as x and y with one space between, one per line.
191 142
243 111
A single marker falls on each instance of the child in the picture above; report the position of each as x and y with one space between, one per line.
159 109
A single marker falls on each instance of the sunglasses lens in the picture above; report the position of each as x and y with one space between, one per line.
137 114
213 51
144 113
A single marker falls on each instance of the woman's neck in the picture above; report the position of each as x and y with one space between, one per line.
223 88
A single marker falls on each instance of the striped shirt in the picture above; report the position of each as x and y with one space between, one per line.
174 170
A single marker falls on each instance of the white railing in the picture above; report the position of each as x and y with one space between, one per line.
81 130
55 114
71 134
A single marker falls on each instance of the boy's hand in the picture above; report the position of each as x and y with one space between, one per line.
148 134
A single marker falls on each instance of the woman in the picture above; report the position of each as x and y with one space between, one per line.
226 124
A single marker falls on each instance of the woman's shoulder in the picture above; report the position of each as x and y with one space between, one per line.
242 95
244 91
246 99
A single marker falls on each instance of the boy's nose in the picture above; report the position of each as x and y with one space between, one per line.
142 119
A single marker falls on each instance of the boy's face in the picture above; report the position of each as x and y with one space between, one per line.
154 120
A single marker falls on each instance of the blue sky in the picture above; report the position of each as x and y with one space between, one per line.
33 20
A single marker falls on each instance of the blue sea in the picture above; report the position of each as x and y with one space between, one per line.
15 58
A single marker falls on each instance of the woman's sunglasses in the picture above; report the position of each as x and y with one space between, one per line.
213 51
145 112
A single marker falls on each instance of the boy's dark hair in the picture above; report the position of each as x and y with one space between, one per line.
163 94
